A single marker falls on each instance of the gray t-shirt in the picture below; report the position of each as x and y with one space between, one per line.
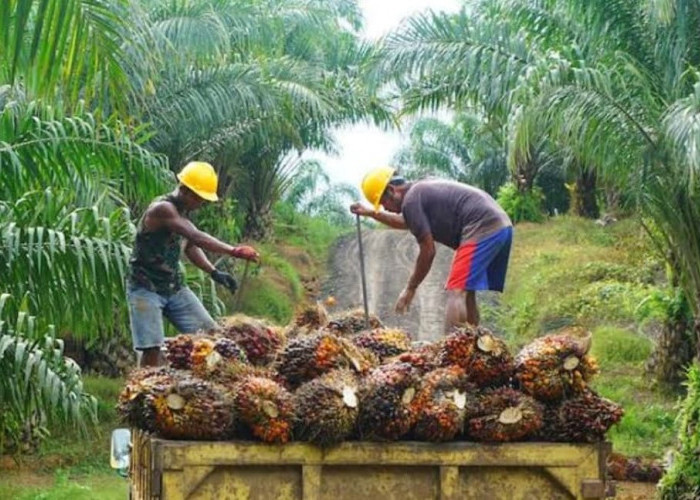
452 212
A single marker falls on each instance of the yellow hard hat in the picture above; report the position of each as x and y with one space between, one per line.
375 182
201 178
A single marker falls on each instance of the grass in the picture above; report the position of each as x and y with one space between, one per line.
570 271
70 465
292 269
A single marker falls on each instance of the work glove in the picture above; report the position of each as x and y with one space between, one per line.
224 279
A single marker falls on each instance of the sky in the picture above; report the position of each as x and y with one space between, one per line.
362 147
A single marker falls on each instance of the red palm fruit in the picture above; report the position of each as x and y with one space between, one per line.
505 415
349 322
261 342
383 342
443 402
305 358
326 408
584 418
555 367
265 408
386 394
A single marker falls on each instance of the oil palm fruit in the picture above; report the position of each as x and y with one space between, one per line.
386 394
265 408
179 350
444 400
505 414
308 320
212 356
141 383
353 321
422 356
584 418
484 357
555 366
326 408
305 358
177 405
260 341
383 342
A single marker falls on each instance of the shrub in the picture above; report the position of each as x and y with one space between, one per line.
521 206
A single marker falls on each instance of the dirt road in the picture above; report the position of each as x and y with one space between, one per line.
389 259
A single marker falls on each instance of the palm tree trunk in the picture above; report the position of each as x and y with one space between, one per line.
586 202
674 350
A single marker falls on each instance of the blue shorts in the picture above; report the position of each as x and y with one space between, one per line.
482 264
146 310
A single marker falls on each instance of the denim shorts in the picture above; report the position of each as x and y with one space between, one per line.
146 310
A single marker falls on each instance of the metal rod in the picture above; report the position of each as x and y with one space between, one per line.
362 270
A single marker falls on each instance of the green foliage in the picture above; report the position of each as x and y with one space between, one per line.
38 386
521 206
614 347
683 479
66 486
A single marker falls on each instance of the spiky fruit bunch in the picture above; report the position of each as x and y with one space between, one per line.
585 418
423 356
386 394
179 350
143 383
505 414
349 322
444 400
305 358
483 356
622 468
326 408
554 367
212 356
384 342
177 405
265 408
260 341
313 316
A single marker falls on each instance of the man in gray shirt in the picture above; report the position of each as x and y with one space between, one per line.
459 216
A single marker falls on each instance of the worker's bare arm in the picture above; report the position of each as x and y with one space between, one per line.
198 257
424 261
164 215
395 221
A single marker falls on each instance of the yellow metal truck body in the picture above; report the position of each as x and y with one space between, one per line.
170 470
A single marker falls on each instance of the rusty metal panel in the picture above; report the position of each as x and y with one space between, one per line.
358 470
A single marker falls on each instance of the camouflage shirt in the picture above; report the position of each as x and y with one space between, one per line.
155 260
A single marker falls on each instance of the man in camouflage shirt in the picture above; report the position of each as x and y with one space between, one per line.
155 285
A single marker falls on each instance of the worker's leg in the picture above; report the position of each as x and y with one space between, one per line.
146 319
472 310
187 313
455 309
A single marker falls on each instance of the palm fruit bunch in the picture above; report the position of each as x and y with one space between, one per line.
584 418
483 356
384 342
260 341
177 405
443 401
264 408
422 356
349 322
386 394
179 350
210 355
305 358
505 414
326 408
555 366
622 468
142 384
308 320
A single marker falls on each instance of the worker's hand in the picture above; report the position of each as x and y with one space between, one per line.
246 252
360 209
405 299
224 279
